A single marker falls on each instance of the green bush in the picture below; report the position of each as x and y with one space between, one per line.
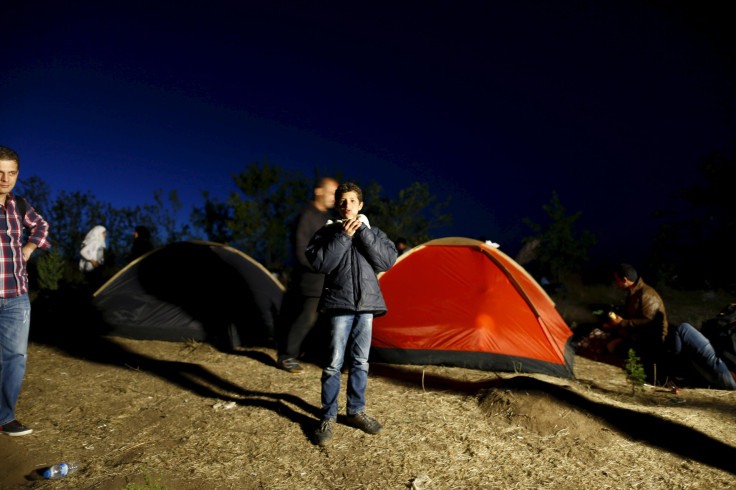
634 370
50 270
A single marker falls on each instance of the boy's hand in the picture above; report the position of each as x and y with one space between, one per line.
350 226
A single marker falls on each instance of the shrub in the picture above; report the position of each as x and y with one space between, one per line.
50 270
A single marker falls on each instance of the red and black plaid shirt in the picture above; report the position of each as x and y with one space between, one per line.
13 275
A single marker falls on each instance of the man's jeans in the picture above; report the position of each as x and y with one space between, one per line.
689 342
15 322
353 331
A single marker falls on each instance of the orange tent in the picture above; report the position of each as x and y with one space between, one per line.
460 302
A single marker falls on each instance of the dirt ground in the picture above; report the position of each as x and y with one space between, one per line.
186 416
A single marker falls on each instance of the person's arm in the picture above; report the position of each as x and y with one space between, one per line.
379 250
650 309
39 233
302 235
327 247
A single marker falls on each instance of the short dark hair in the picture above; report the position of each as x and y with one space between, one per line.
627 271
323 182
348 187
8 154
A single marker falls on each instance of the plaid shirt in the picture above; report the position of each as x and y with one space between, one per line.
13 275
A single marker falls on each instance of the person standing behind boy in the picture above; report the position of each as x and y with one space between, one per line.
351 254
15 308
300 304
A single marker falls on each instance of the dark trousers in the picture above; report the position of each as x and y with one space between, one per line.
300 316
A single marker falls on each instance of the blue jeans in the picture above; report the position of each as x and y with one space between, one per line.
353 331
15 323
688 341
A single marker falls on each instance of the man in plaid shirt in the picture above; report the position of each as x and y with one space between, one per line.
15 308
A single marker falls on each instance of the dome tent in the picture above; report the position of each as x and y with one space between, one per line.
192 290
461 302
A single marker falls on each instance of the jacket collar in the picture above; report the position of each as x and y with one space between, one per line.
637 286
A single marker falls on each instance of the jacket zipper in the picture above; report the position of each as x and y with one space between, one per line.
356 279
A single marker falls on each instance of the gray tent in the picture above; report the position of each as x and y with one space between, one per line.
193 290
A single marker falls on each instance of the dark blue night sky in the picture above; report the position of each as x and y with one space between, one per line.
611 104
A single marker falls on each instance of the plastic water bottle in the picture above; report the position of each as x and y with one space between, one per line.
59 470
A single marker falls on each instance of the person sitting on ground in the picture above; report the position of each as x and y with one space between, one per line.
350 253
711 351
644 328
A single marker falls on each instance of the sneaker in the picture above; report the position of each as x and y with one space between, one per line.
15 428
290 365
324 433
364 422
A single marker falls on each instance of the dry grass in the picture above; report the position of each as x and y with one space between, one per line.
200 418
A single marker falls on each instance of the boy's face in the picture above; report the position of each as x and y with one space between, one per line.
349 206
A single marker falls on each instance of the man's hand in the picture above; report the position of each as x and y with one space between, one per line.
614 320
28 250
350 226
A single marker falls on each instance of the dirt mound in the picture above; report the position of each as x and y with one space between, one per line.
539 411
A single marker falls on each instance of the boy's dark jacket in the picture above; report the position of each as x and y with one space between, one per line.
351 266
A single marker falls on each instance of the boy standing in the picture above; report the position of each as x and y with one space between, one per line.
351 254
